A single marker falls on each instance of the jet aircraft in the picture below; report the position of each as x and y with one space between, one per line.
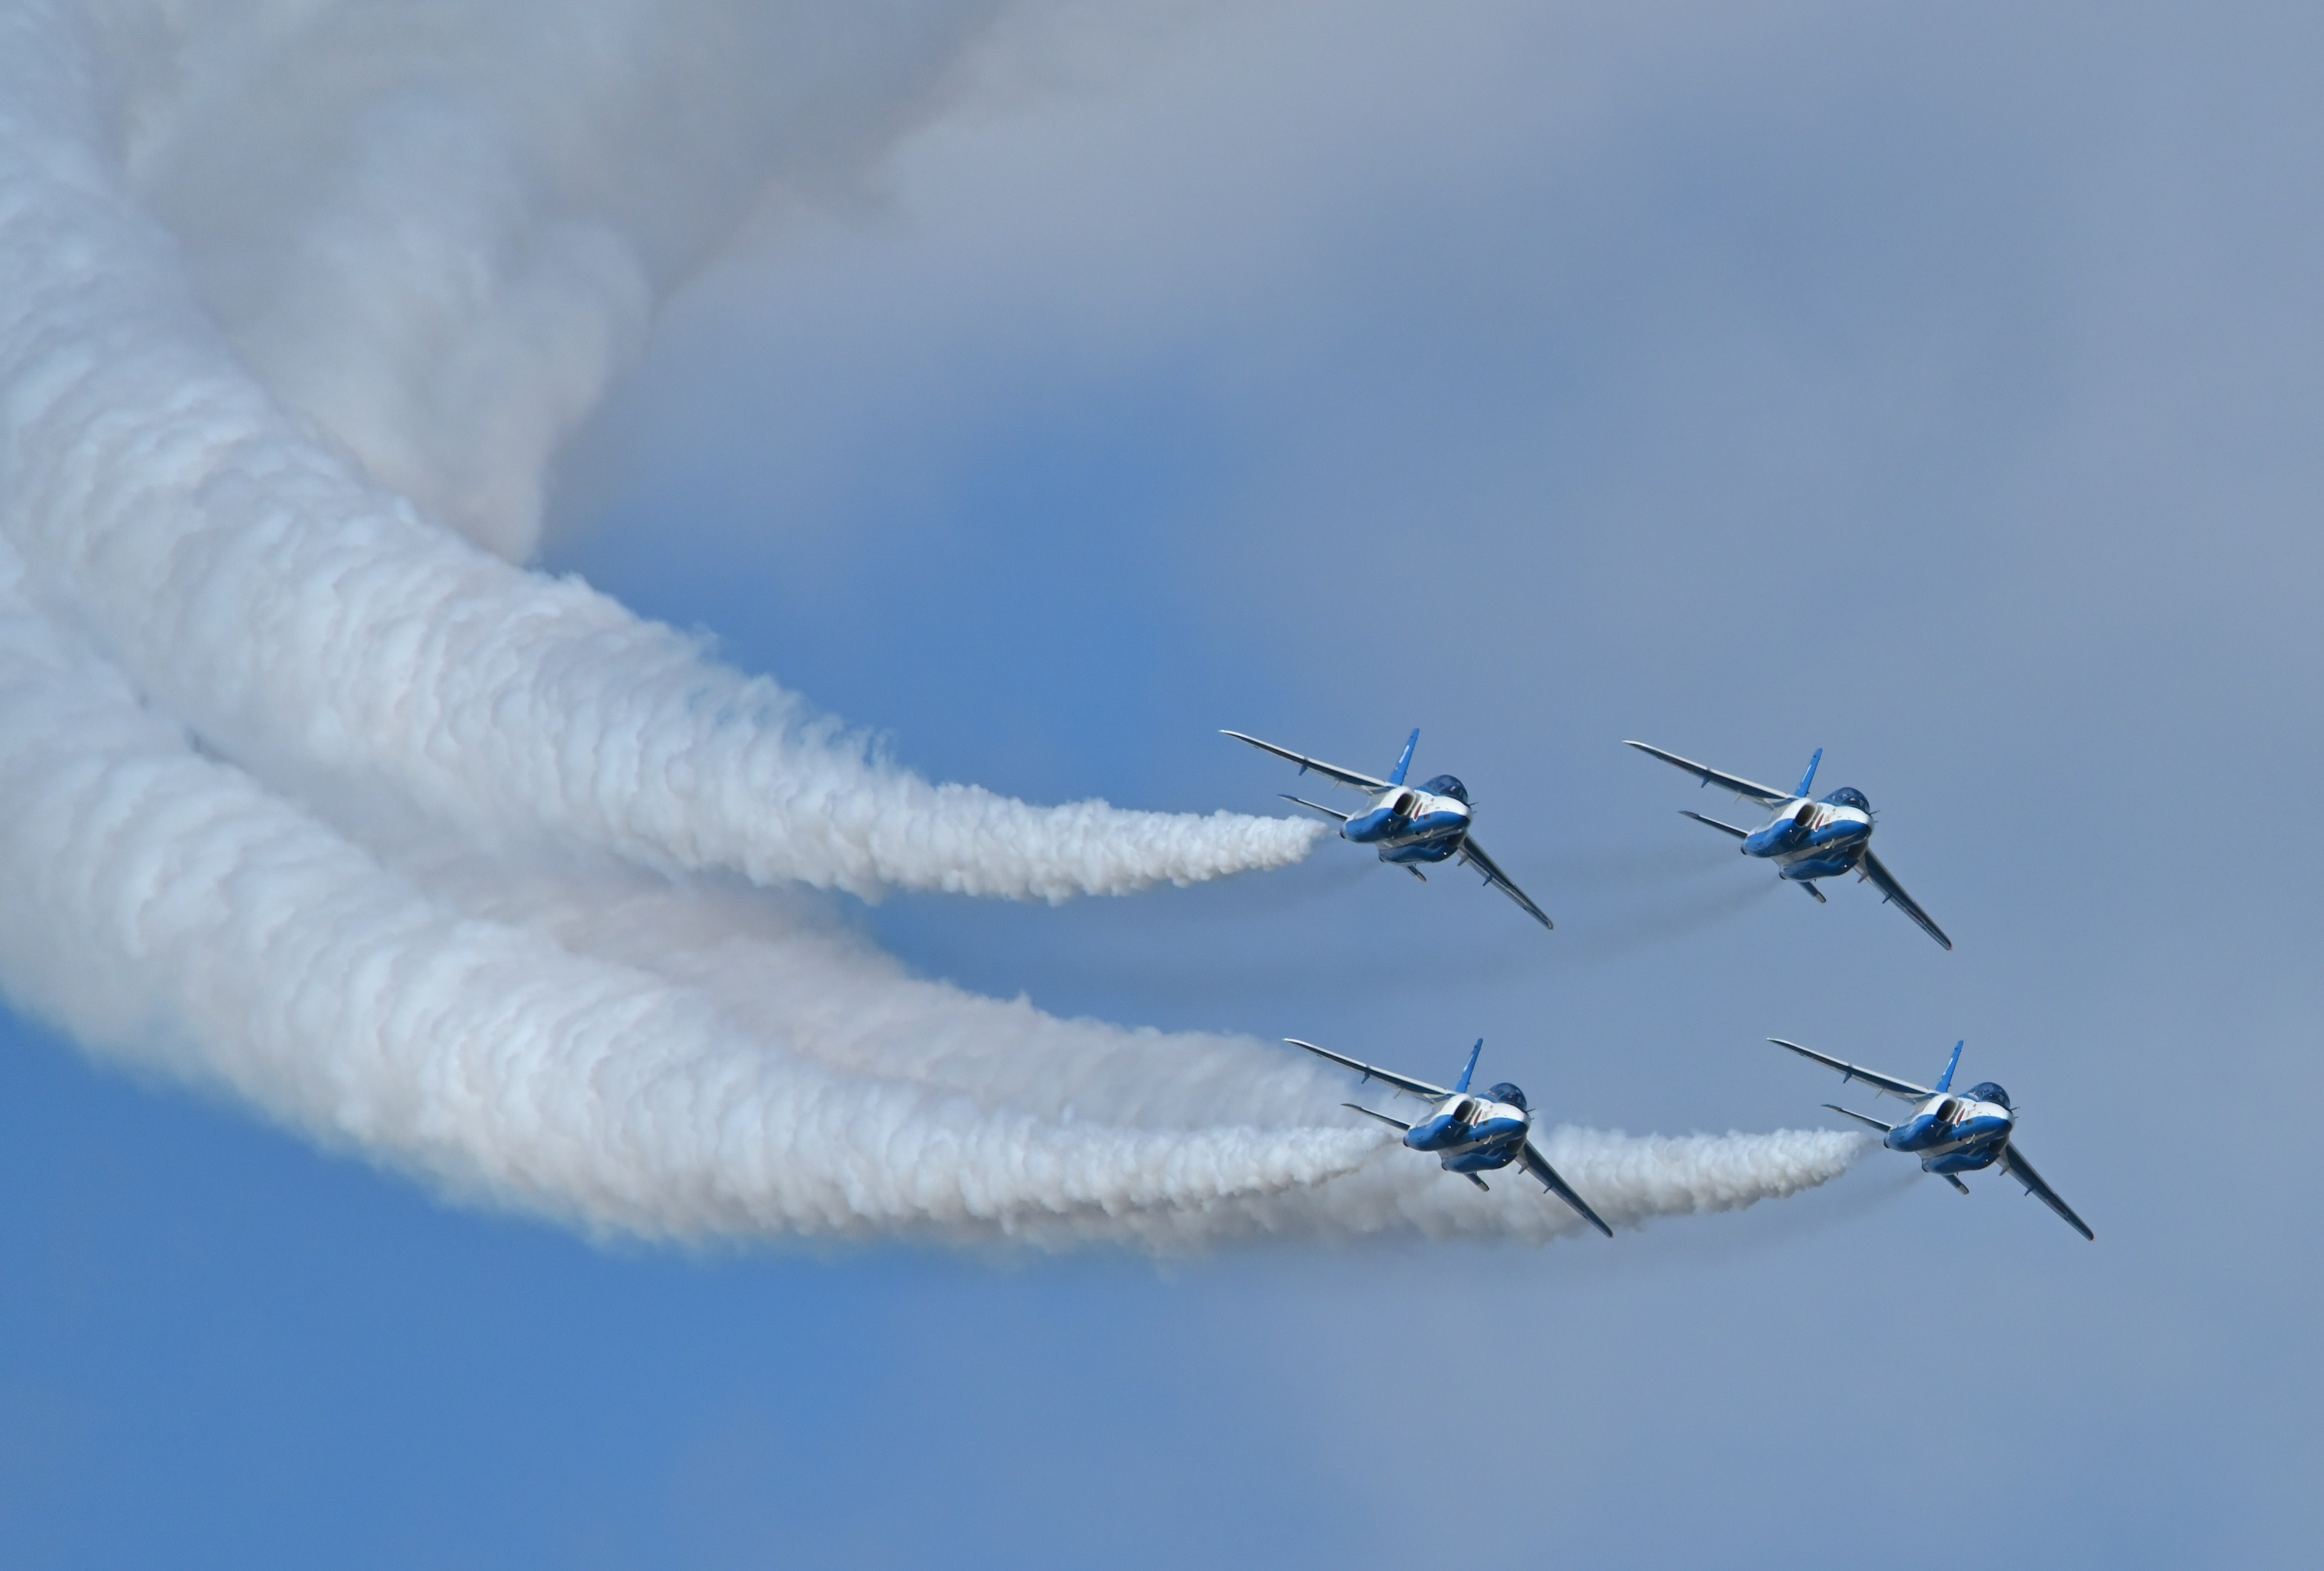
1950 1134
1808 839
1410 827
1470 1134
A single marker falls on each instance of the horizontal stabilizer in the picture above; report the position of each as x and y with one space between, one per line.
1304 802
1368 1113
1731 829
1954 1179
1813 890
1860 1118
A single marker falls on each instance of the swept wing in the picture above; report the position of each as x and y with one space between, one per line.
1538 1166
1847 1071
2018 1168
1893 893
1709 776
1473 854
1331 770
1373 1072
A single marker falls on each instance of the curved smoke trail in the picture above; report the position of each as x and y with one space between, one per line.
310 621
490 966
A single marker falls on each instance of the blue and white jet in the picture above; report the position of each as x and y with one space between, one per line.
1808 839
1409 825
1951 1134
1470 1134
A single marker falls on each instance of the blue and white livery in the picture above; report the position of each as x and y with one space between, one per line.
1951 1134
1808 838
1469 1134
1409 825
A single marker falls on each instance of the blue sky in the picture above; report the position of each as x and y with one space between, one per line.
1933 389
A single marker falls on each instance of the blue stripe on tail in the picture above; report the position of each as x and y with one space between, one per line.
1945 1081
1405 763
1473 1052
1808 779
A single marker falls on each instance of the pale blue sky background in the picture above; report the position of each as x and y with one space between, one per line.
1939 389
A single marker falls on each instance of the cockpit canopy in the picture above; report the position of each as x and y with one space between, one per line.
1850 796
1505 1092
1986 1091
1445 785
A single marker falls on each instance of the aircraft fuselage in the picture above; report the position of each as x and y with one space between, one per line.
1953 1134
1809 839
1408 824
1471 1133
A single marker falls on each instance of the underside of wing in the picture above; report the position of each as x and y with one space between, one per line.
1372 1072
1709 776
1538 1166
2019 1169
1472 853
1729 828
1847 1071
1331 770
1893 893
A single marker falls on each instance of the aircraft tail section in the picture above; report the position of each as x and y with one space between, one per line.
1945 1081
1808 779
1405 763
1463 1083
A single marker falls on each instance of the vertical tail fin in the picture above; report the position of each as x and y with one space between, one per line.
1808 779
1945 1081
1472 1068
1405 763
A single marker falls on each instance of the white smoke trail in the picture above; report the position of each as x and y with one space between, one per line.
316 627
156 895
438 228
493 966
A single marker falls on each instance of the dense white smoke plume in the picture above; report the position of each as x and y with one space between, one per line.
315 798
